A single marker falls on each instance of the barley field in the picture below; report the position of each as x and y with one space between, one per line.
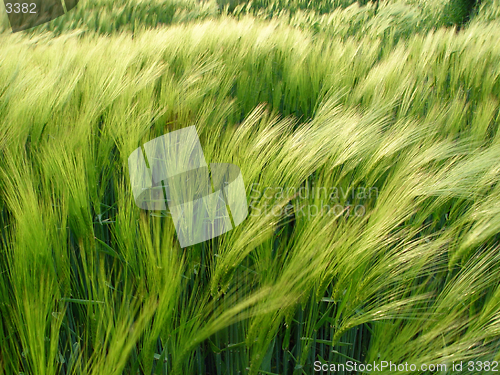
367 137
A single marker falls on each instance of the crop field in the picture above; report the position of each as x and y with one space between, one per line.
367 137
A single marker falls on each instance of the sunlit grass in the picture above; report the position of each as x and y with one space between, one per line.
377 97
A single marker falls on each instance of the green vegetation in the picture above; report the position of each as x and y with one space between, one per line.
400 97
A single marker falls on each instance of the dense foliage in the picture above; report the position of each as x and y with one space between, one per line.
387 110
